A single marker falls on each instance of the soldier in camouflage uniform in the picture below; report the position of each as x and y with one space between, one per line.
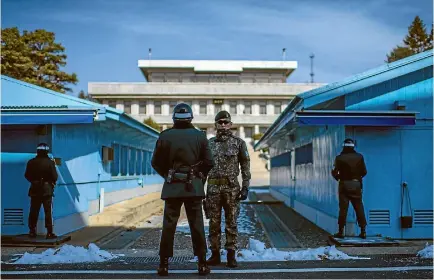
224 191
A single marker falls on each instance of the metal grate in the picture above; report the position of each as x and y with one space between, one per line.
13 217
156 259
379 217
423 217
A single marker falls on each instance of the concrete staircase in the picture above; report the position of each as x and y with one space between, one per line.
260 174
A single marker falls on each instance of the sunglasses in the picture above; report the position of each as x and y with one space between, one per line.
223 122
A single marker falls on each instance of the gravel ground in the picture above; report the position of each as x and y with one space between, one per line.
249 227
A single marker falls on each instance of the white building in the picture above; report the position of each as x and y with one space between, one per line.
254 92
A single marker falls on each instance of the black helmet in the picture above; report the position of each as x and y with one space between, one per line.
349 143
222 115
182 112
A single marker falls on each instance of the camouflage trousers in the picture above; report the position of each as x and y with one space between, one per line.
230 203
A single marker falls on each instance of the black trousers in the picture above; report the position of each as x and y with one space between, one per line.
35 207
172 210
351 191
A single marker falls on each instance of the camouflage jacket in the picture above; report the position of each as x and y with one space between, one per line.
229 155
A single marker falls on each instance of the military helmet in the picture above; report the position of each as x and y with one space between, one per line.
222 115
182 112
349 143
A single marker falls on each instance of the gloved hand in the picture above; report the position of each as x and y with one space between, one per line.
244 192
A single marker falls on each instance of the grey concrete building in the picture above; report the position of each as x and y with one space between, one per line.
254 92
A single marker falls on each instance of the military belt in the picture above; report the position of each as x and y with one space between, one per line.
215 181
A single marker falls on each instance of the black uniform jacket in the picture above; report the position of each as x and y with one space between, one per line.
182 145
41 173
349 165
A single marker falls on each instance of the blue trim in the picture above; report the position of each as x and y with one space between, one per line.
47 117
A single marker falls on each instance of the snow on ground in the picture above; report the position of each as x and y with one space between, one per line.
256 251
67 254
426 252
245 224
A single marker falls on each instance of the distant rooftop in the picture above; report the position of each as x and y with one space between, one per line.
190 68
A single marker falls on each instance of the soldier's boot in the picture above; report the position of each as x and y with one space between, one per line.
340 233
362 233
215 258
163 269
32 233
50 233
202 267
232 262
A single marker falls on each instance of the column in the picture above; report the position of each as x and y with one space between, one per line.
135 107
210 108
270 107
195 107
256 129
164 126
255 107
120 104
241 132
240 107
165 108
150 108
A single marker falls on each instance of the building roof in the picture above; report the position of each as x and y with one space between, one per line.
320 95
215 66
23 102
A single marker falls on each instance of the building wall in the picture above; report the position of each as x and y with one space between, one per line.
82 174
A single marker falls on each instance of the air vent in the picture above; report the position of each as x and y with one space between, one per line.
13 217
379 217
423 217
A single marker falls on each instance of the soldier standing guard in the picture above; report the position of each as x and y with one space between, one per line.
182 156
349 169
41 173
223 191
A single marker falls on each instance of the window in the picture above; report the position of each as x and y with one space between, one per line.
127 107
262 107
233 107
277 107
262 129
304 154
248 132
217 108
112 103
116 161
142 107
124 161
202 107
157 107
248 107
172 105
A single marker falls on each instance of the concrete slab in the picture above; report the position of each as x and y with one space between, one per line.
373 241
39 241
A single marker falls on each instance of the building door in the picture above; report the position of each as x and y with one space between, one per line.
417 173
381 149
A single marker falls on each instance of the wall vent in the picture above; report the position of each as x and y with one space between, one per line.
423 217
13 217
379 217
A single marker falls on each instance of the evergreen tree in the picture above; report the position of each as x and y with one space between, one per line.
36 58
417 40
150 122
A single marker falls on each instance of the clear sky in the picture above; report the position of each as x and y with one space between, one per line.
105 38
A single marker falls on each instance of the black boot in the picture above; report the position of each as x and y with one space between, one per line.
362 233
50 233
215 258
163 270
32 233
340 234
202 267
232 262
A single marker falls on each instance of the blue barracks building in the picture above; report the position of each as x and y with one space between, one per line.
388 111
102 155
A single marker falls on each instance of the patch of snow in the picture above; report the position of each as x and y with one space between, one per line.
67 254
426 252
256 251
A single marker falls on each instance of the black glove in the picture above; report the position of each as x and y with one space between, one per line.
244 192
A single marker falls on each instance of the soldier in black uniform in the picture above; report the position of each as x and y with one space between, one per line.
41 173
182 156
349 169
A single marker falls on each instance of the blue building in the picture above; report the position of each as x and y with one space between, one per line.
389 112
102 155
